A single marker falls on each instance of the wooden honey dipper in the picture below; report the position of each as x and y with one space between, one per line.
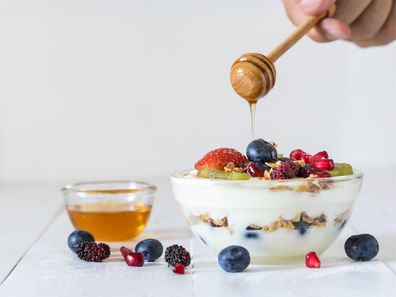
253 75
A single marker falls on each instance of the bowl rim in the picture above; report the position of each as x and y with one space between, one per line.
182 175
141 188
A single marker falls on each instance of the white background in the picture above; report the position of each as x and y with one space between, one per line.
130 89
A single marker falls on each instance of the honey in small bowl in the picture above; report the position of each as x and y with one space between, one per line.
111 211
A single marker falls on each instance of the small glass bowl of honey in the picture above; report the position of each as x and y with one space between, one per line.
110 210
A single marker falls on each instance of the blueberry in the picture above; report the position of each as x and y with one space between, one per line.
251 235
151 248
301 226
260 151
362 247
234 258
78 236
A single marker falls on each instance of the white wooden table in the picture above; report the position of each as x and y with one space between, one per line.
35 259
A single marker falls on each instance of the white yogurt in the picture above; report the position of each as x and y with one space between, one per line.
256 203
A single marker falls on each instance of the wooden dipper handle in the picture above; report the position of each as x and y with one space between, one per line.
298 33
253 75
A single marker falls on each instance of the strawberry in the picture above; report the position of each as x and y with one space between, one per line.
219 158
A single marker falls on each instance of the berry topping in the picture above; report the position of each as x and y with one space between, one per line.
179 268
254 170
134 259
306 171
218 174
77 237
312 260
297 155
324 164
125 251
94 252
234 258
284 170
176 254
362 247
308 159
151 248
261 151
219 158
321 174
321 155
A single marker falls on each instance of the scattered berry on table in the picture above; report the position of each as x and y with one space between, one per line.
77 237
179 268
312 260
93 252
261 151
134 259
219 158
176 254
254 170
234 258
324 164
151 248
362 247
125 251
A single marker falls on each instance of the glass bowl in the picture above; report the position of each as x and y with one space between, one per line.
110 210
277 221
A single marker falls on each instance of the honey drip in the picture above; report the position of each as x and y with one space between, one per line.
252 107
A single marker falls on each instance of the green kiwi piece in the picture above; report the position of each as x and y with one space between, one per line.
341 169
217 174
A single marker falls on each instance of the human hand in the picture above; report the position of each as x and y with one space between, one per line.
364 22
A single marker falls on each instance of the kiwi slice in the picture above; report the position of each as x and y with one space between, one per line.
341 169
218 174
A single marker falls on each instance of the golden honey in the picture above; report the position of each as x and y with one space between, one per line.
110 221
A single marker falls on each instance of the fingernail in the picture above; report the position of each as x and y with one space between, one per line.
313 4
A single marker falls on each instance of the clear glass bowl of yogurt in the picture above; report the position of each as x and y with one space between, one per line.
277 221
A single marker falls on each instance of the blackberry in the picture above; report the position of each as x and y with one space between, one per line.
285 170
93 252
176 254
277 174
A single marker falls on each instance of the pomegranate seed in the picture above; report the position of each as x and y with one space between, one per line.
134 259
179 269
297 155
308 159
324 164
312 260
321 155
254 171
321 174
125 251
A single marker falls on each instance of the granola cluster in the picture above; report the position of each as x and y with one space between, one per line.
301 222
